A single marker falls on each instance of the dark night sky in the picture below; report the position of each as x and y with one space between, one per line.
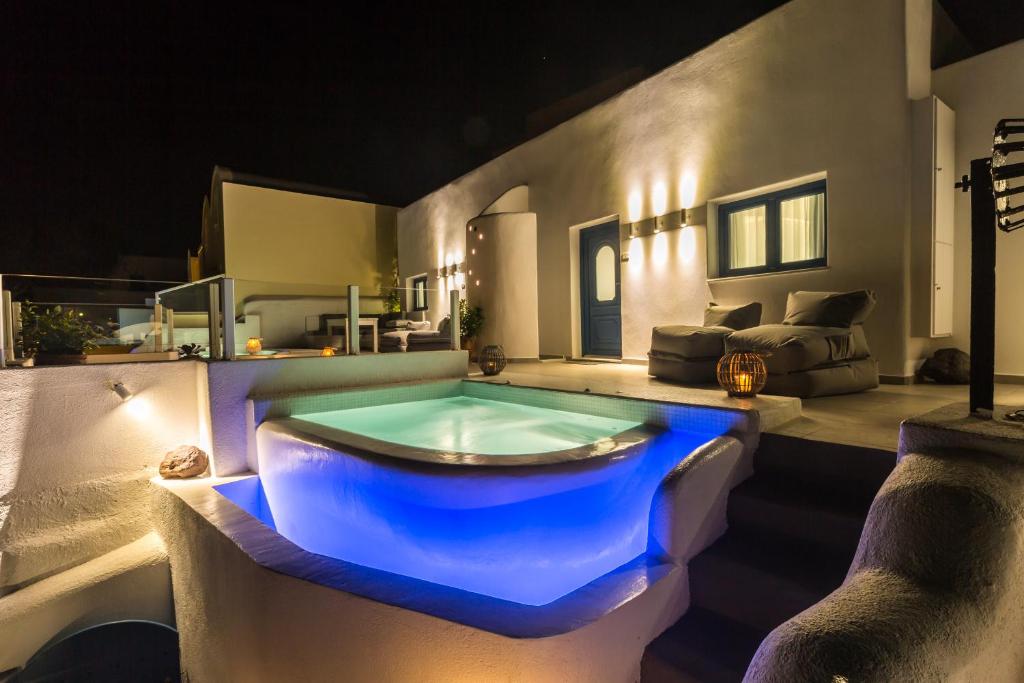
114 114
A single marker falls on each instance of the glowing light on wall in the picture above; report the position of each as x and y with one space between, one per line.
659 198
659 250
635 206
636 254
687 245
138 408
688 190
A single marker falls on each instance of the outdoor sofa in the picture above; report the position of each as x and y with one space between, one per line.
819 348
689 353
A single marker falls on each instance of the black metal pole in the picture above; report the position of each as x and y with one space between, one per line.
983 289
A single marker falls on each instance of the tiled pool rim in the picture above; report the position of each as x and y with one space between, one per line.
713 420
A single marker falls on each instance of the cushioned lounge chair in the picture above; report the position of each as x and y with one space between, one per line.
819 349
689 353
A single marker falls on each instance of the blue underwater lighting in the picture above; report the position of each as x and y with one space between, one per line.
525 534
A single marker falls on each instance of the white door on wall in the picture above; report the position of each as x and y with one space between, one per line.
942 315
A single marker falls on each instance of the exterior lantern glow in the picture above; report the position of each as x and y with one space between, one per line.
742 373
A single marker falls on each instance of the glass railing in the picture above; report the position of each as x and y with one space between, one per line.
71 319
48 319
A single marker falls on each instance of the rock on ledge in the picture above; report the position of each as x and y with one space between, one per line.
184 462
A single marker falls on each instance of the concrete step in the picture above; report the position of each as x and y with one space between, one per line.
702 647
853 472
777 505
763 580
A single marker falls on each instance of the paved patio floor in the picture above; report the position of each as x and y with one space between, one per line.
870 418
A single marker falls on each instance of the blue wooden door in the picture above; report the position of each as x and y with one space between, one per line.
600 290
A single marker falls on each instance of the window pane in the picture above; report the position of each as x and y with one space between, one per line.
802 228
604 272
747 238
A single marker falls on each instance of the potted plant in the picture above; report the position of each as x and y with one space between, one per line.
57 335
471 322
392 295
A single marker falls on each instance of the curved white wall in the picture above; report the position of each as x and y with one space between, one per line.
501 278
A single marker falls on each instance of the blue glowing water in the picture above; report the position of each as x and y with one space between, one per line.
526 535
465 424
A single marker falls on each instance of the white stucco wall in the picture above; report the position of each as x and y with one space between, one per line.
501 278
809 88
75 460
982 90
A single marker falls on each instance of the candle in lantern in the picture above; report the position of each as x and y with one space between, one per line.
253 346
328 351
744 382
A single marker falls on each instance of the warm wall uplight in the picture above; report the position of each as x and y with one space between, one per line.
688 190
659 198
635 206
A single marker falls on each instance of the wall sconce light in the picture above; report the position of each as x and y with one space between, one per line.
122 391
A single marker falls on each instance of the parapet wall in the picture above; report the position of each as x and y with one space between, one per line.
936 589
75 459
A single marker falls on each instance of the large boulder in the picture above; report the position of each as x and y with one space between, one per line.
184 462
948 366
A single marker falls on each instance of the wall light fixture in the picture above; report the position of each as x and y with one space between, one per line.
121 390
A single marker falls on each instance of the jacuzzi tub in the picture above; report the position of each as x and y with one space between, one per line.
562 497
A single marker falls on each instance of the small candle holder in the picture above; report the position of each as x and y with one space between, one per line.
492 360
253 346
742 373
327 352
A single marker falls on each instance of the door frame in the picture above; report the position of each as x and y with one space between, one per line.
581 270
575 303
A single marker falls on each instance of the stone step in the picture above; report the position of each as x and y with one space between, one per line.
702 647
762 580
777 505
852 472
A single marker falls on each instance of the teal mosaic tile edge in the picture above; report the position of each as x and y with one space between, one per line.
677 416
321 401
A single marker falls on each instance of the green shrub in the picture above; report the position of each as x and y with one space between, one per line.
57 331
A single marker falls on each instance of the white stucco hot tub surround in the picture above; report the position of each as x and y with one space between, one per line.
389 627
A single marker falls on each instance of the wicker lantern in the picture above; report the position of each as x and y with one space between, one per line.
492 360
253 346
742 373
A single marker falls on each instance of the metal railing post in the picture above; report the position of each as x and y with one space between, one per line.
456 320
6 327
352 332
214 321
228 311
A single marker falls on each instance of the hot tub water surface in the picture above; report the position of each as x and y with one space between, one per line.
468 424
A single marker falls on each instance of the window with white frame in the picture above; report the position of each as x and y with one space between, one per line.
776 231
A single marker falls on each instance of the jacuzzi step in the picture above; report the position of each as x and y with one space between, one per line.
770 503
763 580
702 647
854 472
